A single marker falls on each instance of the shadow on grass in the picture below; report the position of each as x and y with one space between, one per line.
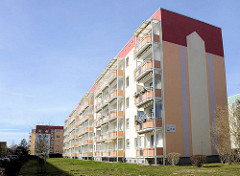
32 167
212 166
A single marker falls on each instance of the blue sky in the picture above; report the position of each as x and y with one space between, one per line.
52 51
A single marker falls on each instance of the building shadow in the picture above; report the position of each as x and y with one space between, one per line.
33 168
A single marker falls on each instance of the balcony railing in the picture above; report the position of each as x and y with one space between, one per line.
113 75
145 96
104 84
115 134
143 42
87 154
98 91
109 153
145 68
148 125
114 94
84 130
85 142
98 107
149 152
105 101
114 114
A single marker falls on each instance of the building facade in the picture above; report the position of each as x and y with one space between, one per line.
53 136
157 96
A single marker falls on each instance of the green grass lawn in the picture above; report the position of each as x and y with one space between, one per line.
63 166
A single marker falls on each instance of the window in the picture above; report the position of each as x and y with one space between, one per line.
135 120
151 85
127 143
58 136
127 123
46 131
127 102
57 146
57 142
138 142
152 140
58 131
127 81
39 131
127 61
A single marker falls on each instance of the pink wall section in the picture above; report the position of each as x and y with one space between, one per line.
157 15
173 97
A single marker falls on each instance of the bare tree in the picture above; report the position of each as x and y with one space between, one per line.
221 134
226 130
173 158
42 143
234 121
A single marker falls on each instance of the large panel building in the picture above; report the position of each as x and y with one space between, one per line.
157 96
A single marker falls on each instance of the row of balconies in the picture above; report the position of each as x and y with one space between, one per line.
109 153
146 67
108 117
149 152
146 95
109 136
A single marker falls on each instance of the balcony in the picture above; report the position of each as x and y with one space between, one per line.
104 85
144 43
87 154
85 130
114 94
110 153
105 119
114 114
86 142
97 139
149 152
105 101
115 134
98 123
143 71
148 125
98 91
113 75
98 154
87 117
98 107
145 96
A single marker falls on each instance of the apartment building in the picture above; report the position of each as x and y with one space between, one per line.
53 136
157 96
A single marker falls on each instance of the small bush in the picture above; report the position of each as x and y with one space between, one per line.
173 158
198 160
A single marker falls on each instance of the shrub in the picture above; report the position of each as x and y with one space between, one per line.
198 160
173 158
